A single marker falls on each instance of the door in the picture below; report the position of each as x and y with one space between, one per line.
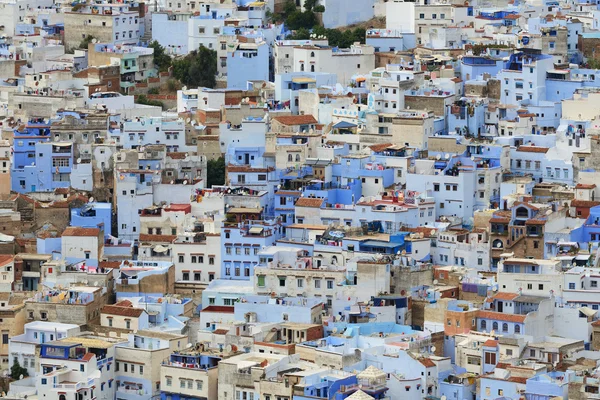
500 306
33 188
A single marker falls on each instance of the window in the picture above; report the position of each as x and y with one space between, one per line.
317 284
505 327
540 287
517 329
281 281
300 282
329 284
199 385
60 162
531 352
169 381
141 369
490 358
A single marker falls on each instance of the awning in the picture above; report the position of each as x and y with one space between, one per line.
376 243
588 312
344 125
160 249
582 257
303 80
62 144
256 230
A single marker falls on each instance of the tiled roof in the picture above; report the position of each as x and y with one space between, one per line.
77 231
296 120
122 311
506 296
427 363
177 156
533 149
6 259
246 168
220 331
501 316
535 222
309 202
221 309
380 147
585 186
109 264
491 343
584 203
157 238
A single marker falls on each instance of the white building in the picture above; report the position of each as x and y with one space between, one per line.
25 348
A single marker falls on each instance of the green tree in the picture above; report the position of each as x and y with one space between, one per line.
197 69
85 42
162 61
143 99
16 371
215 172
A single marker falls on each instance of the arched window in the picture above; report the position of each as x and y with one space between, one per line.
297 157
505 327
517 328
312 68
334 260
522 212
301 67
495 326
483 324
312 54
290 158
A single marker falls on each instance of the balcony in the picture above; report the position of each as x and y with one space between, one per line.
74 386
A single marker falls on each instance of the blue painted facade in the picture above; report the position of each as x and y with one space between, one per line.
93 215
245 65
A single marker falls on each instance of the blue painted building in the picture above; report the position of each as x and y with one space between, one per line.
93 215
49 167
327 386
24 154
247 62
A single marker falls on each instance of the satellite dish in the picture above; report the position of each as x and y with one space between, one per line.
185 182
443 397
432 232
188 120
79 161
492 332
499 245
94 40
403 252
334 330
228 348
472 158
433 348
435 282
438 157
447 156
189 345
91 200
